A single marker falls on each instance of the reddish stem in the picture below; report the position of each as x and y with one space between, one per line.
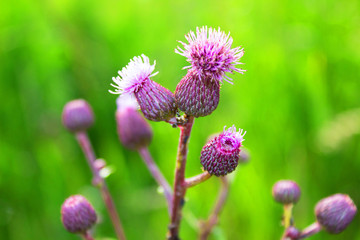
193 181
87 236
157 175
179 182
207 226
310 230
99 182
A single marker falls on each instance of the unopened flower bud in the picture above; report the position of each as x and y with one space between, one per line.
286 192
77 214
210 54
133 130
156 102
77 115
335 213
220 155
292 233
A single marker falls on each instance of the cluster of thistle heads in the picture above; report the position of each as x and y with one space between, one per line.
333 214
211 57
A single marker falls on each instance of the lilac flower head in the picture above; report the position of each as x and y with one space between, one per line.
156 102
134 75
133 130
286 192
77 214
220 155
77 115
210 54
335 213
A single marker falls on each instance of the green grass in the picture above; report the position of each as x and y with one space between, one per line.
302 60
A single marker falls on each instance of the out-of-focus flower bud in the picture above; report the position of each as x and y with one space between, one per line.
220 155
292 233
77 116
286 192
77 214
133 130
335 213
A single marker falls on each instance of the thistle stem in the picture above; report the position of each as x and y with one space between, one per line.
157 175
193 181
207 226
87 236
287 214
99 182
287 218
310 230
179 186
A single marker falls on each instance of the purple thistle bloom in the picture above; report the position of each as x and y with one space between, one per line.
286 192
220 155
210 54
133 130
156 102
335 213
77 214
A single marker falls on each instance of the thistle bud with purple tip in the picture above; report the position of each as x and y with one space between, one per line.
156 102
77 214
220 155
335 213
133 130
77 116
210 54
286 192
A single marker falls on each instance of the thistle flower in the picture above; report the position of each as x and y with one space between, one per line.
220 155
133 130
195 96
77 214
210 54
335 213
156 102
77 115
286 192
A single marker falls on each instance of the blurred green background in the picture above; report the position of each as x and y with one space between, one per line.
299 102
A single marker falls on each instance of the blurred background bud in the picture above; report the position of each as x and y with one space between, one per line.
133 130
77 214
335 213
77 116
286 192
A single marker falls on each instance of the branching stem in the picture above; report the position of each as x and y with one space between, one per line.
179 186
99 182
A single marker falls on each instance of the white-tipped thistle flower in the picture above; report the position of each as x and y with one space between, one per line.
220 155
211 56
156 102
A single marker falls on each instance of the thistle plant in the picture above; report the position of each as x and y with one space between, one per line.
211 56
333 214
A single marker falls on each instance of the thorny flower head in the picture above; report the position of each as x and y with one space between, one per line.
210 54
134 75
220 155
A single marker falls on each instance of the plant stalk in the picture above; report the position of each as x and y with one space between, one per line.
179 181
99 182
157 175
207 226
